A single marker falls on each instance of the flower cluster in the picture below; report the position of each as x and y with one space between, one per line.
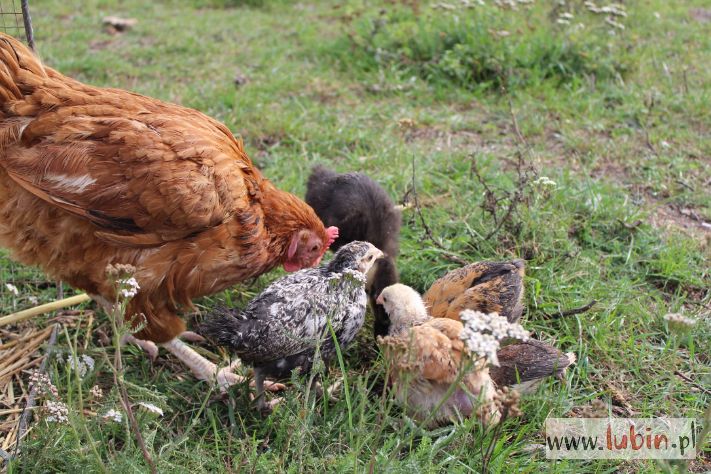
151 408
545 182
12 289
113 415
96 392
483 333
129 287
82 365
42 384
57 412
507 402
679 323
564 19
611 12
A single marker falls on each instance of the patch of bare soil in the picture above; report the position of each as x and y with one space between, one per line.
672 217
702 15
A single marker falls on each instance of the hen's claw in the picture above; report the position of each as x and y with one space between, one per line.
149 347
191 336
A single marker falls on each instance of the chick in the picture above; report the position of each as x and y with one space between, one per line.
427 357
429 351
362 210
489 287
525 364
286 327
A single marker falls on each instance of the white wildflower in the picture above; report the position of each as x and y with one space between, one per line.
482 333
33 299
12 289
483 345
614 23
678 322
131 289
665 144
42 384
113 415
96 392
545 182
57 412
152 408
82 365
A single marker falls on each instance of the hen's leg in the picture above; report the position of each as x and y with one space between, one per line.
203 369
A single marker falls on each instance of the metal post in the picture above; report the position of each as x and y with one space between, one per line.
28 24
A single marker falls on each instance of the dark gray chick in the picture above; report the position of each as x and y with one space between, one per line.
281 329
361 210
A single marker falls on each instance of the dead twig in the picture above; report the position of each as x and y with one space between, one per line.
44 308
571 312
692 382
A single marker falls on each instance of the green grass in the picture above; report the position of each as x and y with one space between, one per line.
622 128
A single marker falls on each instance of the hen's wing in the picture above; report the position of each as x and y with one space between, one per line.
484 286
141 170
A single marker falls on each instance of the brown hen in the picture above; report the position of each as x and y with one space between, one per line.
92 176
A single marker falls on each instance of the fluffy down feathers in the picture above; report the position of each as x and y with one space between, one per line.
425 362
361 210
427 354
489 287
281 329
91 176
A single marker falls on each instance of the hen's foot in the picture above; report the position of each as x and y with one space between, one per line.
148 346
191 336
203 369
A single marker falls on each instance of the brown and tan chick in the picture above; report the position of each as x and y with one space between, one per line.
426 358
489 287
426 355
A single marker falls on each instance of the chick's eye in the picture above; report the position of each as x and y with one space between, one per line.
370 258
385 300
314 248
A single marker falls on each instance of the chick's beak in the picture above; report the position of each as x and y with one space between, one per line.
379 299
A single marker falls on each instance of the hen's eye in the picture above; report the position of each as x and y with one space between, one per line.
314 248
370 258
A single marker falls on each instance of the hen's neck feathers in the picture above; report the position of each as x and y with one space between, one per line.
285 214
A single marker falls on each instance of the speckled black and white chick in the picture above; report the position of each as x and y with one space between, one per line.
361 210
286 326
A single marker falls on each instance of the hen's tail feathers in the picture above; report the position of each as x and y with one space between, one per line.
20 70
222 327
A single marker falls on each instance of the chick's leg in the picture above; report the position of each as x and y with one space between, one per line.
262 405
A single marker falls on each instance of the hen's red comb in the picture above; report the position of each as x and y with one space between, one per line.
332 233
